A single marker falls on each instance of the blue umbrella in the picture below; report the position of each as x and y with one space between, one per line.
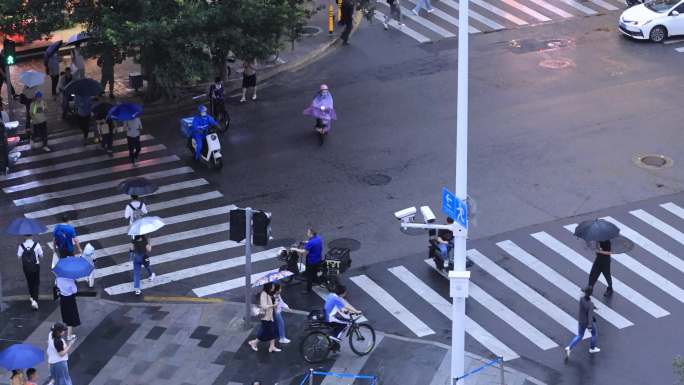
125 111
52 49
21 356
25 226
73 268
78 38
32 78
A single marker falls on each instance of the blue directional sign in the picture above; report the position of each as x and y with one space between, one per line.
455 208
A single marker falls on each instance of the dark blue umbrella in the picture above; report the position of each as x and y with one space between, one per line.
83 87
137 186
52 49
125 111
21 356
25 226
73 268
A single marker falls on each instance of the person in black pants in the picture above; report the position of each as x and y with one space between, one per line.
313 251
347 19
602 266
30 252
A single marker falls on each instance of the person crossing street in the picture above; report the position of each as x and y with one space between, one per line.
313 251
30 253
602 266
586 320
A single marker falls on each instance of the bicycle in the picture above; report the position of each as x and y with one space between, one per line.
317 344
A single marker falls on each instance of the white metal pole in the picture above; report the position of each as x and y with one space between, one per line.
248 265
458 281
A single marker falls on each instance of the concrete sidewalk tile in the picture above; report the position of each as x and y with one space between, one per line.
169 350
155 333
141 367
126 350
200 332
167 371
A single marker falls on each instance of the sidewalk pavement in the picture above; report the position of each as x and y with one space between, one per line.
307 49
193 343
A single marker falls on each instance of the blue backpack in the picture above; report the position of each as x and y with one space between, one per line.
65 244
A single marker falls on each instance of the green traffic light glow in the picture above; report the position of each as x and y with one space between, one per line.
9 60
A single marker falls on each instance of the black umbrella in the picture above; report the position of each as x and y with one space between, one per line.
596 230
83 87
101 109
618 245
52 49
137 186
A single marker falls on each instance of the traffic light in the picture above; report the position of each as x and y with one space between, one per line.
237 225
9 52
261 227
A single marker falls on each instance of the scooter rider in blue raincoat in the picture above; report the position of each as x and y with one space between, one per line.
200 128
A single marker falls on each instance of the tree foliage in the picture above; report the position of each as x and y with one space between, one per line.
33 19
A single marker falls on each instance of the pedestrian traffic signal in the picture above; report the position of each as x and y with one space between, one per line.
9 52
261 227
237 225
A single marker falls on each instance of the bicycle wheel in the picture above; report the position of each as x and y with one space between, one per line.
362 339
315 347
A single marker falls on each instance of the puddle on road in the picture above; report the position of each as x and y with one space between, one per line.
534 45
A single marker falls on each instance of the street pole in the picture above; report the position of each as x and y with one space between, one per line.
2 298
248 266
459 277
10 99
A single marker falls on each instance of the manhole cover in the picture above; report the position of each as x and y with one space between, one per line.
556 64
309 30
653 161
346 243
377 179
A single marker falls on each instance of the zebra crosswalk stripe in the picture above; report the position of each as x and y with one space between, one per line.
604 4
679 49
585 265
527 10
389 303
448 18
113 199
228 285
74 150
534 298
425 23
97 186
551 8
403 28
648 245
579 7
474 15
659 225
500 12
187 200
78 162
194 272
64 139
77 177
649 275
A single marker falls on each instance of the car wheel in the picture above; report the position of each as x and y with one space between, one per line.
658 34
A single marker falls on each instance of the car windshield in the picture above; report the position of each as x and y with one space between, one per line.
661 6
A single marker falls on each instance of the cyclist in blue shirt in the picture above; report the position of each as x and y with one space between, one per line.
313 251
337 311
200 128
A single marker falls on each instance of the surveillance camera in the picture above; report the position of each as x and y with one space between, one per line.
428 215
406 215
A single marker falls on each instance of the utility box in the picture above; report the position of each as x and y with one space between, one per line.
135 81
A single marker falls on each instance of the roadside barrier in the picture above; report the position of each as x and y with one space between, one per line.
309 378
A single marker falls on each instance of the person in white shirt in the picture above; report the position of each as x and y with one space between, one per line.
79 63
67 304
135 209
29 253
58 355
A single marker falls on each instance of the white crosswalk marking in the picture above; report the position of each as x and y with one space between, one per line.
393 306
78 177
448 18
648 245
97 186
560 281
474 15
500 12
551 8
531 296
443 306
680 49
196 271
77 163
73 151
605 4
163 239
646 273
228 285
585 265
184 201
112 199
526 9
579 6
65 139
425 23
674 209
168 257
191 216
403 28
659 225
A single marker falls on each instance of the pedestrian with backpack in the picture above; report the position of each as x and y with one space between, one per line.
30 252
135 209
65 242
140 256
395 13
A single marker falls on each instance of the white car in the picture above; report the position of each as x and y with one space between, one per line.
655 20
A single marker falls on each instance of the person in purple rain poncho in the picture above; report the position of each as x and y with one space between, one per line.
322 109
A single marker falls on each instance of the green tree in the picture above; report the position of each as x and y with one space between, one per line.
33 19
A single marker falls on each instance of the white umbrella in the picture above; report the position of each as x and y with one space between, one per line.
145 225
32 78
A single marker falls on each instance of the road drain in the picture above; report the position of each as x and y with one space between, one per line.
653 162
377 179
